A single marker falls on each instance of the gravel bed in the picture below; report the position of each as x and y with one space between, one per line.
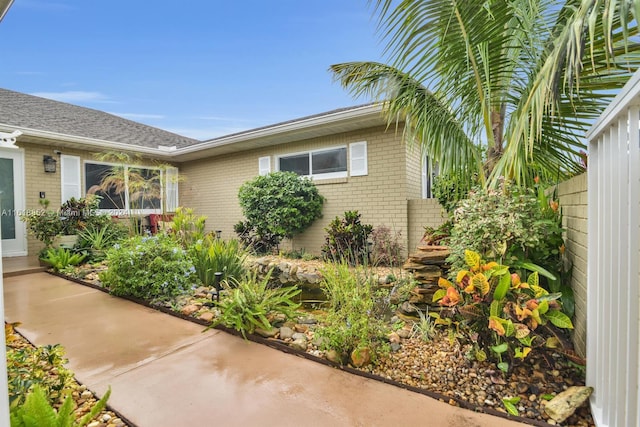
441 366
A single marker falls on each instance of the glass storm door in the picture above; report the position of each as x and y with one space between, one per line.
14 241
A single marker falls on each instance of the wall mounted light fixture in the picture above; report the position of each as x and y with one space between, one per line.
49 164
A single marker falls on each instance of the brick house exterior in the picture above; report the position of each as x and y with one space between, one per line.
387 187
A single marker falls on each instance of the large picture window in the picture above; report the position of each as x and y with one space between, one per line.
327 163
130 189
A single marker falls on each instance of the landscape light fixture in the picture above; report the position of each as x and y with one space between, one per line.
218 234
217 284
49 164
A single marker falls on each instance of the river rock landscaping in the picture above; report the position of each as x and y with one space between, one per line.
416 354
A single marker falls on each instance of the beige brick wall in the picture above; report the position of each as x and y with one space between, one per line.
573 201
36 180
423 213
212 184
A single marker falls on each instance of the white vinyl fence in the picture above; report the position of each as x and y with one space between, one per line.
613 273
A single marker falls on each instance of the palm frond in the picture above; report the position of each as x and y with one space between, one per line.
429 122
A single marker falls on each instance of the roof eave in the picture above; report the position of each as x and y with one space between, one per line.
338 122
84 143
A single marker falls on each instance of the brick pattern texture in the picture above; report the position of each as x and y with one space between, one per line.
211 185
573 201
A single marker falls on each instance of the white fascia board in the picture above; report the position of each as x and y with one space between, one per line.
292 126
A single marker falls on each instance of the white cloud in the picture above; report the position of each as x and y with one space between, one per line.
73 96
221 119
138 116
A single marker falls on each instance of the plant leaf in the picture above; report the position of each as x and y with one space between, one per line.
472 259
503 287
559 319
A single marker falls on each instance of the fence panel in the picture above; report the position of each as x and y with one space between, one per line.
613 321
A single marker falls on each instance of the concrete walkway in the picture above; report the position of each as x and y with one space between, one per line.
165 371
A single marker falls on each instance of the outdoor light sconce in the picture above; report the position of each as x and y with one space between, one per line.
218 234
49 164
216 284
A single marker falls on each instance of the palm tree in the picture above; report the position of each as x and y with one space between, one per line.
499 88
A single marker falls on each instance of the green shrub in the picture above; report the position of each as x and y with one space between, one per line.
276 206
152 268
505 225
449 189
386 249
251 302
498 312
347 239
211 255
61 258
350 323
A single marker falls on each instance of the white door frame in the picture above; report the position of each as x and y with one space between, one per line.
17 246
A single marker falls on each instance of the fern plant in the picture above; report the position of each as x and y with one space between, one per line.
38 412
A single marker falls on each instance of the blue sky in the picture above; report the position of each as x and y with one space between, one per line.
200 68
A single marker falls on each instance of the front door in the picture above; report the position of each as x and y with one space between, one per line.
12 230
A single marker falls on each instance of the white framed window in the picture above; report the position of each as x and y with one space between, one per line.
325 163
130 189
70 184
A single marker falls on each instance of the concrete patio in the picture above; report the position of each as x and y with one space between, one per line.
165 371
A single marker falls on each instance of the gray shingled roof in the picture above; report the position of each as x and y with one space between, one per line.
28 111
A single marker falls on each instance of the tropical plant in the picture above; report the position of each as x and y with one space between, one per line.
38 412
187 227
251 302
211 255
500 313
506 225
347 239
276 206
501 88
99 238
77 214
153 268
61 258
350 324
